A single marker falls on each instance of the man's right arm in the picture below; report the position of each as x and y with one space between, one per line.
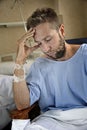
20 89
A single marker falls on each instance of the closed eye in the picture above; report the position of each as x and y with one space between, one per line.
48 39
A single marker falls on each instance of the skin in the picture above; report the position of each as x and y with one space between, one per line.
51 42
23 50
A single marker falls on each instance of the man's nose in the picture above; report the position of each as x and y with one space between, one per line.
45 47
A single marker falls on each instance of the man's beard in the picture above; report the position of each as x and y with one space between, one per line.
61 51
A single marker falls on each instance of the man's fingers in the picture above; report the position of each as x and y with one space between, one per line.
26 36
35 47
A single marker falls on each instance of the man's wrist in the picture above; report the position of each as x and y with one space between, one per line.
19 73
20 61
18 78
18 66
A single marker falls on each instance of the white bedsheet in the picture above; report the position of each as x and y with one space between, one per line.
6 99
75 119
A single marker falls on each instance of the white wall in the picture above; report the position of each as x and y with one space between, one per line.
74 17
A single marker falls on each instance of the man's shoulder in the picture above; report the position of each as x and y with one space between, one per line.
84 48
84 45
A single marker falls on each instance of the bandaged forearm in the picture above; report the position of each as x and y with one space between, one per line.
19 73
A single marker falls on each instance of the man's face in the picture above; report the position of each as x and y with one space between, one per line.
50 40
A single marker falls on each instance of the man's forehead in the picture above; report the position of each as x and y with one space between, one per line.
41 31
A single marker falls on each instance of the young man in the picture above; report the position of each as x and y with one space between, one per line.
57 80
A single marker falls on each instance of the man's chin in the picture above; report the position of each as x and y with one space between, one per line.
51 57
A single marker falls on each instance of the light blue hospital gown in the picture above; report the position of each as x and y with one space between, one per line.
59 85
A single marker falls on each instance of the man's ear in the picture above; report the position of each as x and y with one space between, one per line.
61 30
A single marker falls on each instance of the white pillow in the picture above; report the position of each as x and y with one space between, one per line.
7 68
